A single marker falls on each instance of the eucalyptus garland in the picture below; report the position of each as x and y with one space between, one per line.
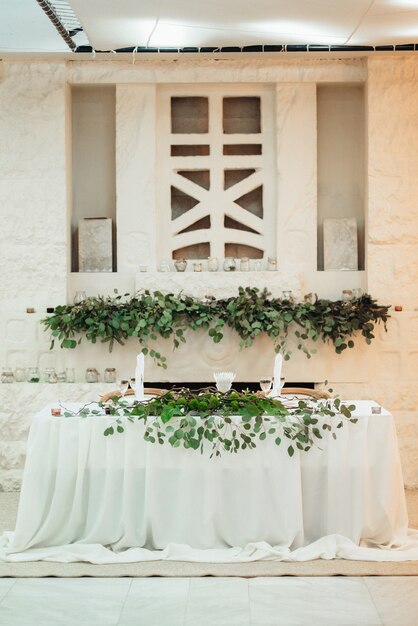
152 315
226 422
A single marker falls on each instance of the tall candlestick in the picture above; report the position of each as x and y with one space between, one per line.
139 377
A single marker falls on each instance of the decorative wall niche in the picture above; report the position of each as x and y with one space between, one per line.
341 160
93 160
216 191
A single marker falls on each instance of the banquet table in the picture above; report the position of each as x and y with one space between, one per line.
87 497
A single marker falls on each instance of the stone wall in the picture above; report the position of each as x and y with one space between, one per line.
35 205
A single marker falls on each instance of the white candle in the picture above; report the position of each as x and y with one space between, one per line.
139 377
278 362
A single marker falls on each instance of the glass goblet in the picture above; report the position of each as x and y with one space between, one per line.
265 384
123 385
282 382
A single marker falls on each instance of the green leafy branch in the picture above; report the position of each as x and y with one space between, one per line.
207 419
149 316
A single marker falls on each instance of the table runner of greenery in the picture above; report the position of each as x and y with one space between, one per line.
196 419
150 315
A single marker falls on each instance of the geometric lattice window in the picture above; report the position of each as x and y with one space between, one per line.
216 187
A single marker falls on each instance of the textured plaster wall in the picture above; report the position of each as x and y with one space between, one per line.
33 206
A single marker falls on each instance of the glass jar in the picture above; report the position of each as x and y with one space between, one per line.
287 294
79 297
244 264
20 374
164 266
62 376
50 376
213 264
180 265
258 266
346 295
110 375
7 375
229 264
92 375
197 267
271 264
70 375
357 293
32 375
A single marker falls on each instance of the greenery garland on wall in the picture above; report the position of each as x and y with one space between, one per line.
150 315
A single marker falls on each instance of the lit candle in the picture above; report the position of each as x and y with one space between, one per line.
139 377
278 362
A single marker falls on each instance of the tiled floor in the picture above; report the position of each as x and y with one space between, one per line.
336 601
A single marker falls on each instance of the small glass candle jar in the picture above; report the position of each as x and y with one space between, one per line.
70 376
229 264
7 375
92 375
180 265
164 266
110 375
32 375
287 295
244 264
50 376
62 377
79 297
272 264
346 295
20 374
213 264
258 266
357 293
197 267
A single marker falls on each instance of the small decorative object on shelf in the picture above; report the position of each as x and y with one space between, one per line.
143 268
197 267
7 375
70 376
258 266
229 264
180 265
50 376
62 376
398 307
272 264
213 264
79 297
287 294
56 412
346 295
92 375
357 293
50 309
310 297
30 309
164 266
376 410
20 374
244 264
110 375
32 375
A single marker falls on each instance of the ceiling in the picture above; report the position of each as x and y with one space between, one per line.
114 24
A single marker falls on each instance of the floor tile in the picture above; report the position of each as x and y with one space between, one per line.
64 602
396 598
218 601
336 601
156 602
5 585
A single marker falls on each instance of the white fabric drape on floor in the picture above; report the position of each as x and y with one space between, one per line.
86 497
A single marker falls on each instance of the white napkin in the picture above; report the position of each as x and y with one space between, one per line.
139 377
278 362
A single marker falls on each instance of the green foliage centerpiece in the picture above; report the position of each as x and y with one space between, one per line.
226 422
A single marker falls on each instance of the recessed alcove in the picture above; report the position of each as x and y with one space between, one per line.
93 132
341 160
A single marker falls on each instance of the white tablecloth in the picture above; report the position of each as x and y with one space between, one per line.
86 497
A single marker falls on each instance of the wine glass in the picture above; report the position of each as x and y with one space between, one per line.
123 385
265 384
282 382
132 383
